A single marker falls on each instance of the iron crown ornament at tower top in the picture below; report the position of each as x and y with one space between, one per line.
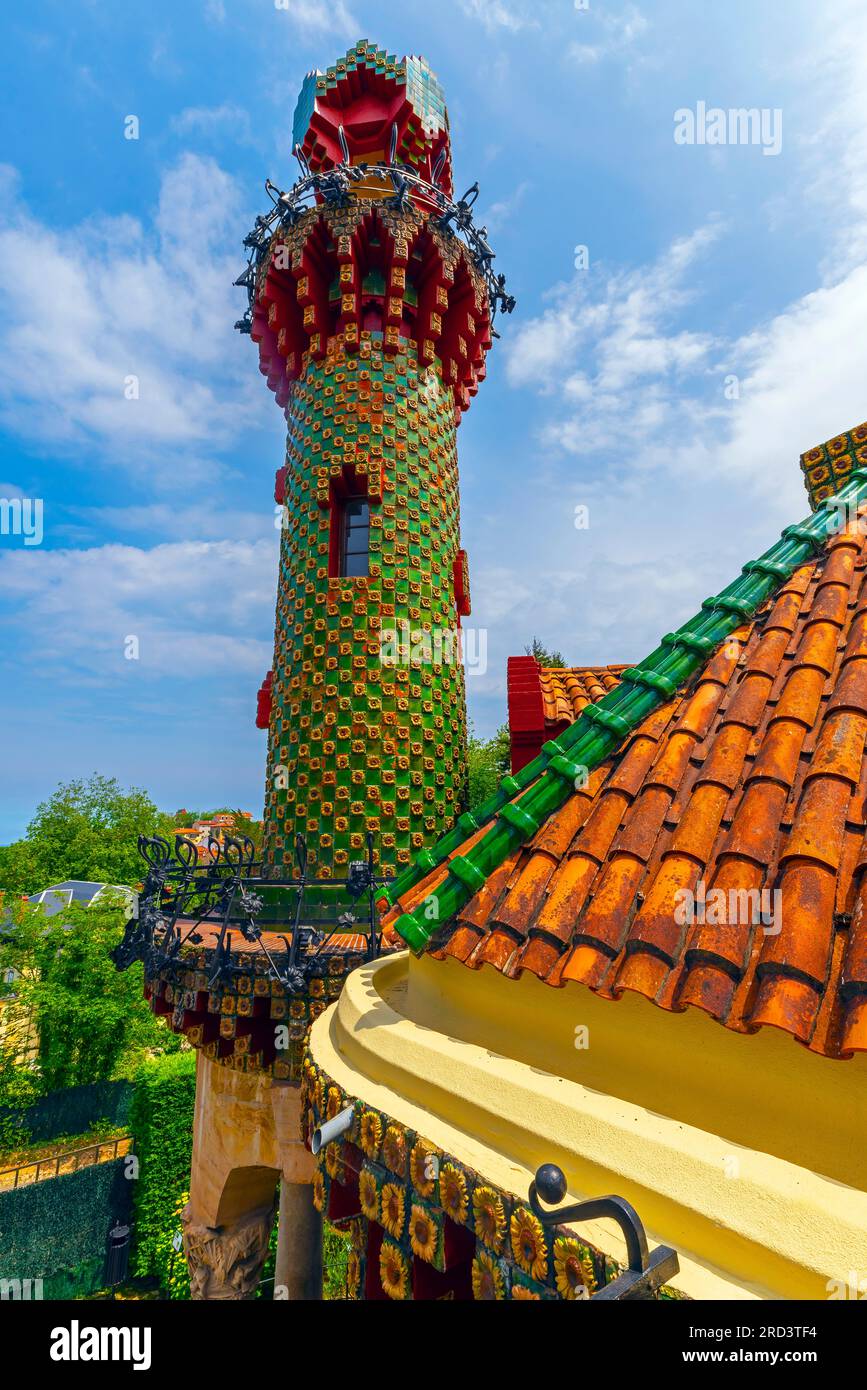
340 137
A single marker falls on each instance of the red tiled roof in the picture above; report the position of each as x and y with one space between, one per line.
754 776
569 689
545 700
276 942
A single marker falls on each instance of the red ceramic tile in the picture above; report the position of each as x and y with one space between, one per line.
749 701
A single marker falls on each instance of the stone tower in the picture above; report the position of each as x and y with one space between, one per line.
373 320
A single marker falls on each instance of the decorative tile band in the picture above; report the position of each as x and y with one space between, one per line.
828 467
249 1022
425 1226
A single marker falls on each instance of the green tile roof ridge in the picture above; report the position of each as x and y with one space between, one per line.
549 780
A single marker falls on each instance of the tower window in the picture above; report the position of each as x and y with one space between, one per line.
354 538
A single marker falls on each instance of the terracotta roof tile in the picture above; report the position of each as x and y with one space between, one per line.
545 700
753 779
567 690
698 828
567 897
525 895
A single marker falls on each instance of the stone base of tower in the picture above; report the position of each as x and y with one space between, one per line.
246 1140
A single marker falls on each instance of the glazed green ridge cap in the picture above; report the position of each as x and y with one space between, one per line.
642 690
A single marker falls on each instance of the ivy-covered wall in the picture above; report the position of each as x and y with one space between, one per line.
57 1230
161 1119
72 1111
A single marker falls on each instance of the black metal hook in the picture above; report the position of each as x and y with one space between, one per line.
647 1270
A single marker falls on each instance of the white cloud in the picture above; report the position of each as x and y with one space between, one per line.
191 605
84 310
614 32
320 16
497 14
203 517
627 373
833 109
804 379
628 367
210 121
498 214
594 345
625 380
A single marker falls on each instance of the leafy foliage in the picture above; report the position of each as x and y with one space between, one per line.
543 656
161 1119
85 830
91 1020
488 761
335 1263
19 1086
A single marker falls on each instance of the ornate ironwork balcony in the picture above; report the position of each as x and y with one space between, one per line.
242 961
453 216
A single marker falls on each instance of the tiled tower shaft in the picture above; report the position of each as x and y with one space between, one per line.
373 324
364 734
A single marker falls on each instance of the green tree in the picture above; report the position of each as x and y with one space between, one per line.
85 830
543 656
487 761
91 1020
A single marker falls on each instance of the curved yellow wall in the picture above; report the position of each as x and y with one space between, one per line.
746 1154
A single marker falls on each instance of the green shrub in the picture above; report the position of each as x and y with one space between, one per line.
335 1263
161 1118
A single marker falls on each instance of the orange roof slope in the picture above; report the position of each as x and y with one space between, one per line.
752 777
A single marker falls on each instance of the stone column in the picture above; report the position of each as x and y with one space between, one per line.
246 1137
298 1275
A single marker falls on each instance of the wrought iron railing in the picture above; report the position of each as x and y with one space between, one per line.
453 217
232 892
646 1270
43 1169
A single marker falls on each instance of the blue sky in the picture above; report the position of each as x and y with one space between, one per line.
607 391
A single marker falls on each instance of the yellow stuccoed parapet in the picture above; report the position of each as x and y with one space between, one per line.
488 1069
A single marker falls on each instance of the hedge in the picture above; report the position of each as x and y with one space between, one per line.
57 1230
73 1111
161 1118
